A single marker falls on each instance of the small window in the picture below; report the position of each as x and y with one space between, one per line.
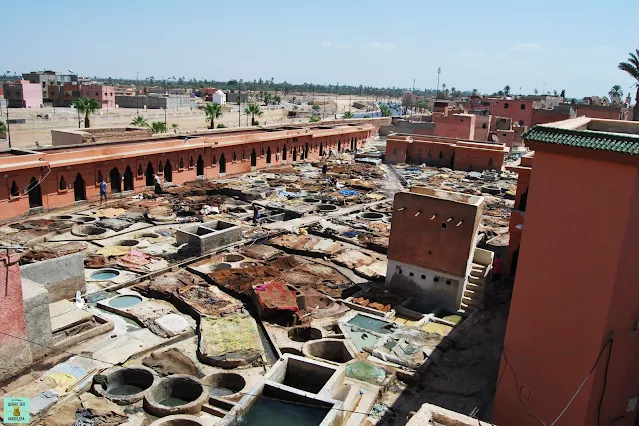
444 226
505 106
430 153
161 168
504 134
441 154
436 279
243 155
15 191
423 277
419 152
262 150
234 156
181 162
521 122
63 183
410 274
140 170
395 151
483 125
191 162
214 160
447 282
523 106
100 179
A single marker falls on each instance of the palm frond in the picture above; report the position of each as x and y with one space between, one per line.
630 69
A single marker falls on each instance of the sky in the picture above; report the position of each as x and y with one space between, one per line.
573 45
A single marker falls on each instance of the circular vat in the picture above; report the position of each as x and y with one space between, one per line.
332 350
182 420
327 208
127 243
125 301
291 351
224 384
85 219
88 231
147 235
126 385
176 394
304 334
104 274
371 216
233 257
311 200
223 266
491 189
259 182
63 217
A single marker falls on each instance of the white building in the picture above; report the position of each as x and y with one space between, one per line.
219 98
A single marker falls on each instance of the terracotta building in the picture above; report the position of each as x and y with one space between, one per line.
23 94
432 246
444 152
62 175
574 315
519 110
105 95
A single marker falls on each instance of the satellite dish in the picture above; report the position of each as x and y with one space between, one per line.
494 137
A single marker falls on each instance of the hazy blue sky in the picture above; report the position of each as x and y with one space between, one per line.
559 44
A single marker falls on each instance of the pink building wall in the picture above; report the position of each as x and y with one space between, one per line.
520 111
461 126
105 95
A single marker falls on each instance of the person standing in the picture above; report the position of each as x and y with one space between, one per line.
256 214
103 192
324 170
498 266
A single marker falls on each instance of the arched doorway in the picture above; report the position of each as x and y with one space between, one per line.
284 152
452 161
116 181
222 164
321 149
79 190
295 154
352 143
15 191
306 151
150 173
63 183
339 145
268 155
200 166
128 179
168 172
253 158
35 193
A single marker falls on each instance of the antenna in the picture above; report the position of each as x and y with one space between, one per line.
439 71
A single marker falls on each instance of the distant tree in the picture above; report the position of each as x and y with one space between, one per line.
158 127
535 91
221 126
475 92
563 94
500 93
3 128
139 121
175 126
253 110
615 92
507 90
386 111
632 68
212 113
86 106
554 92
315 119
267 97
277 99
315 107
348 114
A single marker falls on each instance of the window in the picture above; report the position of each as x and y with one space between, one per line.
436 279
410 274
15 191
181 162
191 161
423 277
140 170
444 226
441 154
214 160
63 183
490 162
262 150
243 155
506 106
521 122
100 176
523 106
395 151
483 125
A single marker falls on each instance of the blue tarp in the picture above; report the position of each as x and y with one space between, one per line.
348 192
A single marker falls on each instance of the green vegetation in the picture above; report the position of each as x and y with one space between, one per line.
86 106
212 112
221 126
615 92
158 127
632 68
507 90
139 121
175 126
315 107
386 111
314 119
348 114
253 110
3 128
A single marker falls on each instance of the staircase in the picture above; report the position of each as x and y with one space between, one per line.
473 297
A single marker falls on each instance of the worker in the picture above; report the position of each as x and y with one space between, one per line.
103 191
256 214
324 170
498 266
158 184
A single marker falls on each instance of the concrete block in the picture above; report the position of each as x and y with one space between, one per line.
38 320
210 235
61 277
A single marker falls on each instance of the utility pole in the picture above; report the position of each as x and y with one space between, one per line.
239 105
77 77
439 71
137 93
336 94
6 110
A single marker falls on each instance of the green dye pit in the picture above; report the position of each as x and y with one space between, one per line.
365 372
104 276
124 390
372 324
361 339
125 301
268 412
455 319
220 392
173 402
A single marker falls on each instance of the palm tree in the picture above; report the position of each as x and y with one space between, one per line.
615 93
253 110
348 114
3 128
175 126
212 112
86 106
507 90
475 92
139 121
632 68
158 127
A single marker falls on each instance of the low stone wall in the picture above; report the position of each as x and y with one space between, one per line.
61 277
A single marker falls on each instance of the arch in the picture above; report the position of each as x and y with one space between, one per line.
284 153
268 155
15 191
295 154
243 155
100 177
262 151
452 161
150 174
140 170
234 156
168 172
306 151
35 193
63 183
430 154
441 155
339 146
490 162
160 167
321 149
253 158
181 164
116 180
191 161
128 179
79 189
200 165
222 164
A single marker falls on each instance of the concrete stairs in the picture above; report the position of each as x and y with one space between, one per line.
473 296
